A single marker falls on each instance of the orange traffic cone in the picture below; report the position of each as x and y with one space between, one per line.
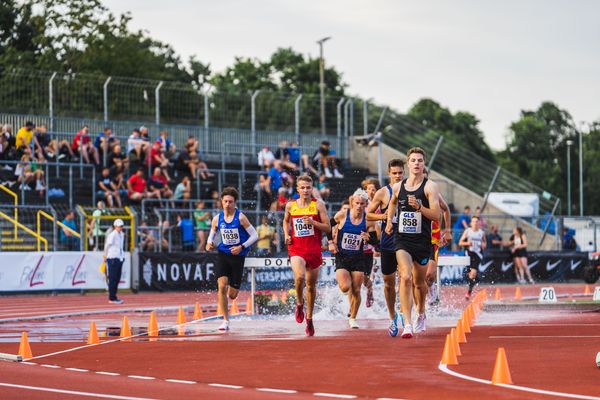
460 333
587 291
93 335
471 313
501 372
181 316
465 324
518 294
234 308
198 312
498 294
125 329
24 347
449 355
249 306
153 325
455 342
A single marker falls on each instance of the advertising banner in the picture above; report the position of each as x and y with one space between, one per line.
47 271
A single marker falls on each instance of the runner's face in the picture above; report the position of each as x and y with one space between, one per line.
228 203
474 223
416 163
304 189
396 174
371 189
359 204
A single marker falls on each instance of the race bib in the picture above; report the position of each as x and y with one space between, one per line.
351 241
230 236
301 229
409 222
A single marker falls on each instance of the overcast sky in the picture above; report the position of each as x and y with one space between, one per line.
491 58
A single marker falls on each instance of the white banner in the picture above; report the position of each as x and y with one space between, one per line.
68 270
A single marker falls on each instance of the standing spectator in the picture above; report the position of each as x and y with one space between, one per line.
183 189
266 235
187 233
325 157
495 240
518 244
67 237
23 138
114 257
265 158
568 240
106 189
462 222
136 186
264 187
202 220
95 231
82 146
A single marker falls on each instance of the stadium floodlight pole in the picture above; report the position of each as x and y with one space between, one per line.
569 144
322 81
581 170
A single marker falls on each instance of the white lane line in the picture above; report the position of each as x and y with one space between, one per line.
49 366
107 373
388 398
546 337
73 392
444 368
220 385
28 363
180 381
286 391
147 378
335 395
77 369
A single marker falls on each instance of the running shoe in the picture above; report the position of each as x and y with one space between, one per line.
370 299
116 301
310 328
420 325
299 313
393 329
407 333
224 326
353 324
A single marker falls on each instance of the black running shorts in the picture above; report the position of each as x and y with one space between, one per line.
389 263
230 266
419 254
354 263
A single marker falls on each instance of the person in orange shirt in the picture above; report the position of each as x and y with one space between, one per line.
304 222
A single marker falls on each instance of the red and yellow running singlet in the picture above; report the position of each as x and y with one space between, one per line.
436 232
306 239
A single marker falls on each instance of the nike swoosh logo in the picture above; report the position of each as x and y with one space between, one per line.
533 264
575 265
550 266
506 266
483 267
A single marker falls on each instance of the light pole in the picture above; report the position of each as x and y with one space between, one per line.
322 81
569 144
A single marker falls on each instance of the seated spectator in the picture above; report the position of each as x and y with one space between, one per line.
7 132
282 154
23 138
326 159
192 145
266 236
264 187
157 159
5 149
27 172
43 144
67 238
104 142
183 189
117 160
149 238
265 158
202 220
166 146
82 146
136 146
158 185
322 187
297 157
201 166
107 190
187 233
136 187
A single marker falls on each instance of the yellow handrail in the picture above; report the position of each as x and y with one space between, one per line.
51 218
26 229
129 217
14 195
132 230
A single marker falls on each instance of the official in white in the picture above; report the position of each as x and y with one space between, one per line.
114 257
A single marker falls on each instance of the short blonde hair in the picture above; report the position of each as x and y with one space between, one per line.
305 178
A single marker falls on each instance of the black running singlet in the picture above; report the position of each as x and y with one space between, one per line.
413 228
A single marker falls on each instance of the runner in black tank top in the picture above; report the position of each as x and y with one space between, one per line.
416 203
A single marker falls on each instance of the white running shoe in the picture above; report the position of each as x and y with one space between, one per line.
224 326
328 173
420 325
337 174
353 324
407 333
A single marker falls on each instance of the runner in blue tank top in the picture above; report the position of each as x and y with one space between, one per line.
377 211
237 235
417 201
353 232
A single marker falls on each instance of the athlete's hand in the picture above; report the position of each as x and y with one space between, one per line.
210 246
412 201
288 240
364 236
307 220
235 250
332 248
445 239
389 229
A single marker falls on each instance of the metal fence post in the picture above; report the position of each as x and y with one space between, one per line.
71 187
346 106
297 119
253 119
435 152
157 106
105 98
206 110
51 101
365 117
339 116
580 173
380 121
351 118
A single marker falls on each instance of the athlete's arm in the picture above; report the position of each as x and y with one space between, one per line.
523 242
324 225
374 205
463 240
433 195
391 211
251 231
370 236
286 224
483 241
447 231
213 231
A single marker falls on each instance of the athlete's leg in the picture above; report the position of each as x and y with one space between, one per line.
526 269
472 279
344 280
233 293
223 285
518 270
389 291
419 273
311 290
299 268
405 265
357 280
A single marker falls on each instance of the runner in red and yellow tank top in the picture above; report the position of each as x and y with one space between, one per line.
303 223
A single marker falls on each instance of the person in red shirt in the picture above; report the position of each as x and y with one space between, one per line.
82 146
136 187
157 158
304 221
158 185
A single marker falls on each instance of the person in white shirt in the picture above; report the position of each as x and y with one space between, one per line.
114 257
